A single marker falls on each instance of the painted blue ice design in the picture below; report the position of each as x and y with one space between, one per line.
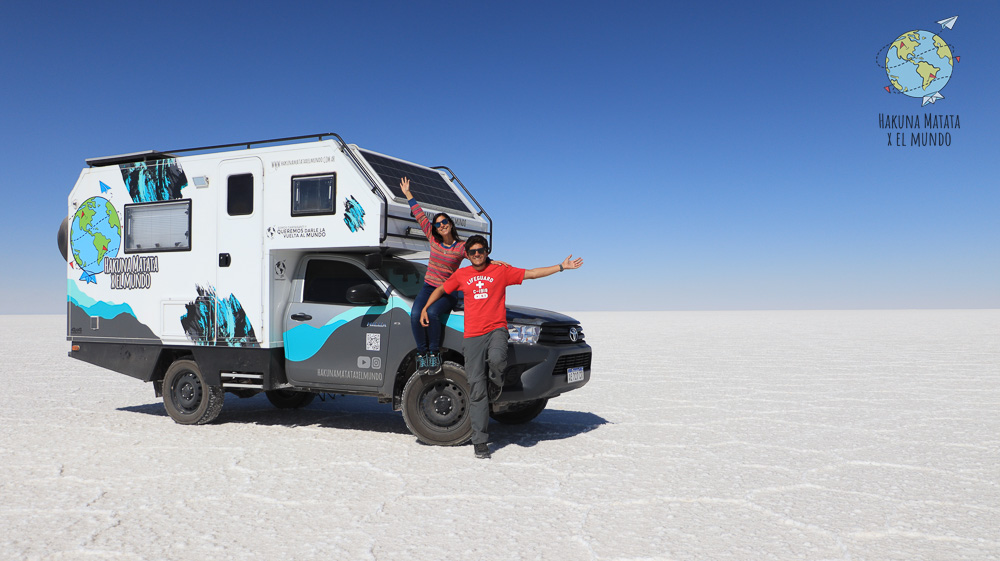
354 215
232 328
154 181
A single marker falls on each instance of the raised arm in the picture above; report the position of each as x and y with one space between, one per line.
568 263
418 213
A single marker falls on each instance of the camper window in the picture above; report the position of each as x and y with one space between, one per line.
153 227
314 194
240 196
327 281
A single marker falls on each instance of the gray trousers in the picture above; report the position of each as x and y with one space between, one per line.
491 346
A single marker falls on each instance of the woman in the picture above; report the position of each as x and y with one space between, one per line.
447 252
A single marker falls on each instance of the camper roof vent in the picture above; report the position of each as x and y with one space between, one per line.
148 155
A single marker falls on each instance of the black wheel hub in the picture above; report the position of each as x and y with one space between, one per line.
443 404
187 392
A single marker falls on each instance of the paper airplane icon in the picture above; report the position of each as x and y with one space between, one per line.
948 22
104 187
932 98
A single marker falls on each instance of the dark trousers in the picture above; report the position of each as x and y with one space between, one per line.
491 349
429 338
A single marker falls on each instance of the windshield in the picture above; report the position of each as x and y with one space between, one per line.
406 277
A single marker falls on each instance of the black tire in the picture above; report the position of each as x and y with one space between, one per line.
186 396
436 408
520 413
289 399
62 238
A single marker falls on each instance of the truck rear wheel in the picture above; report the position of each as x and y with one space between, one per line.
186 396
436 408
288 399
520 413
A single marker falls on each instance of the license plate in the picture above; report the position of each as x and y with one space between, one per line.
574 374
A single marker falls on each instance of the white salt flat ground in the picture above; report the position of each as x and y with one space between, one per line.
752 435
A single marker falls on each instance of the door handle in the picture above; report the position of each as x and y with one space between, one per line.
225 260
301 317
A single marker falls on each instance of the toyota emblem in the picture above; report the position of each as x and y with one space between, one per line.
572 334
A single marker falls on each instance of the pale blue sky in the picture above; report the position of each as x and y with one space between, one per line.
716 155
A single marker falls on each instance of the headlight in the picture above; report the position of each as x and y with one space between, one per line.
527 334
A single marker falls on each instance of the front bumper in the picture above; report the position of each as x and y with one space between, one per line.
540 371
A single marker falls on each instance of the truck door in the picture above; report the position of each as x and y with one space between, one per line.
239 279
330 342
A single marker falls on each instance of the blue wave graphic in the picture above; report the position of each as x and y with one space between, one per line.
456 322
303 341
104 310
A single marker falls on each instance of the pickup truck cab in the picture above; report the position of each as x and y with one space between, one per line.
347 330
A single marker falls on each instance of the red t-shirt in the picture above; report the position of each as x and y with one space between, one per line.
485 296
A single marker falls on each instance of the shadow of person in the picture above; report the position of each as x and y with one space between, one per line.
551 424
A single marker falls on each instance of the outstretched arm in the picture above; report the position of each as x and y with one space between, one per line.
568 263
418 213
434 297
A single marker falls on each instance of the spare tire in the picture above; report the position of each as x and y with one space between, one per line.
63 238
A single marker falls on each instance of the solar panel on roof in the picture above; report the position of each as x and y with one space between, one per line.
426 185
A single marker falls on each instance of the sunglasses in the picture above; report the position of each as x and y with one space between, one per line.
478 251
442 222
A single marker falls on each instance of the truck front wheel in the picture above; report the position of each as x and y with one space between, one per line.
186 396
436 408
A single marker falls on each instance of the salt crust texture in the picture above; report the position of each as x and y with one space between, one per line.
870 435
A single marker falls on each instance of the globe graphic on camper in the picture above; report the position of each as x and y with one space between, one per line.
96 233
918 63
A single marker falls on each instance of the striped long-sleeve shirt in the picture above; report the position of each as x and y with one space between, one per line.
444 259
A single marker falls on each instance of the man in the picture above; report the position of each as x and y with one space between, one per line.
484 285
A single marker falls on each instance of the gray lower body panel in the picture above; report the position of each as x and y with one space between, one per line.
540 372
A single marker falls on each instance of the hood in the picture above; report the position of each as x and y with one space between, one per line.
535 316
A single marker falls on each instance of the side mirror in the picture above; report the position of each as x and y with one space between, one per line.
365 295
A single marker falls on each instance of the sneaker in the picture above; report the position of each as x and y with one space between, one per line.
434 363
421 364
482 450
493 391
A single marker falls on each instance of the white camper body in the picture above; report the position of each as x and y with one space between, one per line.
242 239
277 267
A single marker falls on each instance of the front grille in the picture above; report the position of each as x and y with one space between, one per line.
566 362
559 335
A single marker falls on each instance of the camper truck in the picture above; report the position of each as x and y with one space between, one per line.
289 267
